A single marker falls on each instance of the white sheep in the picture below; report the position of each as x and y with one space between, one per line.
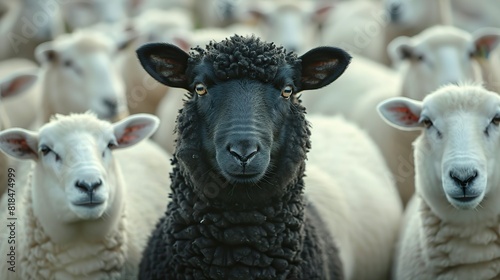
11 87
292 24
360 27
78 75
362 76
464 14
371 26
21 109
451 228
136 7
86 210
172 26
438 56
83 13
345 169
27 23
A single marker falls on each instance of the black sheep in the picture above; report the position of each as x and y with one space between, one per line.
237 209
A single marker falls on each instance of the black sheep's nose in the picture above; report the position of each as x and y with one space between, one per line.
465 178
243 152
88 187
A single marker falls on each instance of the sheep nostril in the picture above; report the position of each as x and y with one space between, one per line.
394 12
463 178
241 154
111 104
86 187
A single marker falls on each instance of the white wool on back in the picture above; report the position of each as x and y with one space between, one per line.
345 169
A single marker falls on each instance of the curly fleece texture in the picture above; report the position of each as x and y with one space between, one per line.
41 258
244 57
202 237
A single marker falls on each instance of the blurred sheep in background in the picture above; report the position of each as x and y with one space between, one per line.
389 57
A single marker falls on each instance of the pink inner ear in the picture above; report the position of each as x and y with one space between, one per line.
13 87
405 115
484 45
181 43
129 135
22 145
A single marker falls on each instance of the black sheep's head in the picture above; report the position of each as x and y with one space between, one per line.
243 93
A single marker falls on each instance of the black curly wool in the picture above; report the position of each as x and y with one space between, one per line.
244 57
207 236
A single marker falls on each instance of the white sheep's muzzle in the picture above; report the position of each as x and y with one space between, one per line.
87 193
464 183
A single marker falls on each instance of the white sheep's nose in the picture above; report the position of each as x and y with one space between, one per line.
88 187
111 105
395 11
463 177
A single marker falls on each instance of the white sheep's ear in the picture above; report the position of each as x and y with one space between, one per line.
134 129
166 63
485 41
19 143
17 83
45 52
401 112
401 48
321 66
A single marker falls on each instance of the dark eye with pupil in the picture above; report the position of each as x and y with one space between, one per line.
200 89
286 92
427 123
44 150
111 145
68 63
420 58
496 120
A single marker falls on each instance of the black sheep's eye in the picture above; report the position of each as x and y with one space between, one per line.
286 92
200 89
420 58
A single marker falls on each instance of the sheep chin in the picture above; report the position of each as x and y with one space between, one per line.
89 212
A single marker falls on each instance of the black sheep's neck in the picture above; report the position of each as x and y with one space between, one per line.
209 242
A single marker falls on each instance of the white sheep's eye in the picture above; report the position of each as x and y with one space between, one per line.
112 145
44 150
426 122
496 120
286 92
68 63
200 89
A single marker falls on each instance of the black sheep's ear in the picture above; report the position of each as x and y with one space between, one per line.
321 66
166 63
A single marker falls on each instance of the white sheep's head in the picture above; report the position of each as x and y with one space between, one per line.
456 156
80 75
412 13
438 56
11 86
75 177
84 13
292 24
